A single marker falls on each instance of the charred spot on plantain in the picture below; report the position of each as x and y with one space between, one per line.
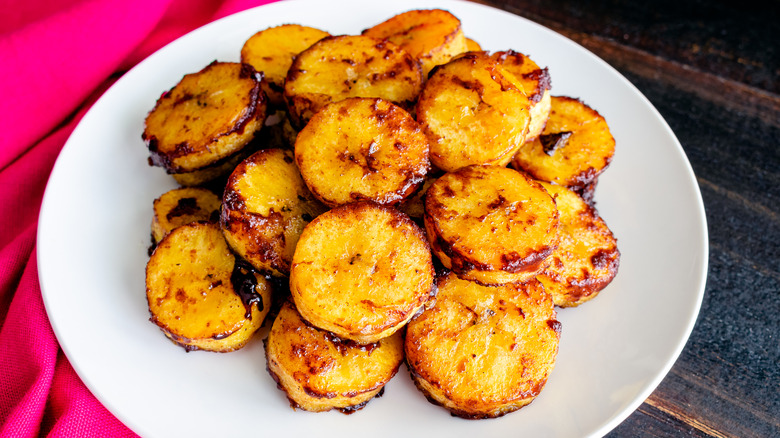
512 57
502 82
184 207
469 85
605 259
498 202
355 258
183 98
553 142
245 286
555 325
542 77
232 201
344 346
585 178
248 72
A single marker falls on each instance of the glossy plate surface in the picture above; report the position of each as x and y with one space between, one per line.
94 234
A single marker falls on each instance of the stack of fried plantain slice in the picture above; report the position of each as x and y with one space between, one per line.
420 199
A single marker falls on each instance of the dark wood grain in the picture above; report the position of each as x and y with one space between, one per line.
712 69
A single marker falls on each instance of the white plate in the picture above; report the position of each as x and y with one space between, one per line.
94 233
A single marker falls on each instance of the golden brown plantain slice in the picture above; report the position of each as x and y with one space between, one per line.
200 295
491 224
206 117
536 83
574 148
319 372
362 149
473 113
482 352
587 256
339 67
361 271
265 207
432 36
181 206
271 52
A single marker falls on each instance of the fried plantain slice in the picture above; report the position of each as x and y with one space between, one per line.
536 83
271 52
206 117
432 36
482 352
362 149
319 372
473 113
491 224
574 148
200 295
181 206
587 257
361 271
339 67
266 206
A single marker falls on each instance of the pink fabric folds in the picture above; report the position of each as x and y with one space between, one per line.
58 56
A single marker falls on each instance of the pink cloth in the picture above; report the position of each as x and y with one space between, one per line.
58 56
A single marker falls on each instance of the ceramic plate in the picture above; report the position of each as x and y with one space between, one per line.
94 234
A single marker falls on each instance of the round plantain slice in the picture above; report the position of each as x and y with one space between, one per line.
271 52
574 148
473 113
339 67
433 36
361 271
266 206
482 352
587 257
362 149
490 224
206 117
181 206
200 295
536 83
319 372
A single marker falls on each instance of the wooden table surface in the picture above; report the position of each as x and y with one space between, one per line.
712 69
